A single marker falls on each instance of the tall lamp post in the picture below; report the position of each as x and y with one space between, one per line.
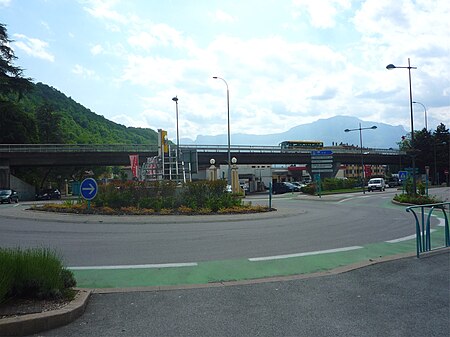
228 113
175 99
425 109
363 173
413 155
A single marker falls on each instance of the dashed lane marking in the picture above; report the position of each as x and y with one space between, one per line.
318 252
138 266
406 238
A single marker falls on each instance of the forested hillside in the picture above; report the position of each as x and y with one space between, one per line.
45 115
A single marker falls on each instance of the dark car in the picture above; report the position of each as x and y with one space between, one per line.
279 188
9 196
47 194
394 182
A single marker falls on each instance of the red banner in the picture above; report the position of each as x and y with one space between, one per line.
367 171
134 160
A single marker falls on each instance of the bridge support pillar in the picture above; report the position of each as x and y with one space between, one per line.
5 172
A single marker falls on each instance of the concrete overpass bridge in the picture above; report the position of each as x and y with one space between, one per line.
51 155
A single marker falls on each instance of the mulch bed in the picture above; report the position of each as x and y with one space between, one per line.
19 306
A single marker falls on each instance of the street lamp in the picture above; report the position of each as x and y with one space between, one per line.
175 99
363 173
228 110
425 109
413 156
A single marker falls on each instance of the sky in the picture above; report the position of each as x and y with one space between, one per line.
285 62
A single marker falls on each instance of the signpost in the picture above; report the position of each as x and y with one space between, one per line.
88 190
321 162
403 176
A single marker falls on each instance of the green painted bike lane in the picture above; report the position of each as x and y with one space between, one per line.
243 269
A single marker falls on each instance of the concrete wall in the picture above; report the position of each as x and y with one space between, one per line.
25 190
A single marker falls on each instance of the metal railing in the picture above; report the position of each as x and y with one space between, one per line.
423 232
77 148
198 148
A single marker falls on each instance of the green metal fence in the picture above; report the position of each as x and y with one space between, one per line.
423 233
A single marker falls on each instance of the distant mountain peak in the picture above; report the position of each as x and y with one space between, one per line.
329 130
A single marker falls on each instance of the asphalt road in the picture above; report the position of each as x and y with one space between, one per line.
301 225
408 297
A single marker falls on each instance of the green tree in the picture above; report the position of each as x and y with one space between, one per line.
16 126
423 142
441 152
49 125
11 77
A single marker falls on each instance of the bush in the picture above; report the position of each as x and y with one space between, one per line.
309 189
416 200
155 197
33 273
208 194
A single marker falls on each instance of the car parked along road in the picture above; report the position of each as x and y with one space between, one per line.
47 194
9 196
376 184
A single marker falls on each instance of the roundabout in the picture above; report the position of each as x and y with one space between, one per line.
306 235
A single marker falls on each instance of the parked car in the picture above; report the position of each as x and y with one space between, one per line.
284 187
393 182
292 186
376 184
298 184
47 194
9 196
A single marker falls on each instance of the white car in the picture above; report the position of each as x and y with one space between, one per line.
376 184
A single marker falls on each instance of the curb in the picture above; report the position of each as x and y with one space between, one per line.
34 323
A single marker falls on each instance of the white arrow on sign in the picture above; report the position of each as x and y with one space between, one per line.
91 188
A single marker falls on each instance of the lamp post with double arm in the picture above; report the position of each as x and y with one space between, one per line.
228 114
175 99
363 173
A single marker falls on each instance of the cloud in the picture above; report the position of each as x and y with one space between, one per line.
33 47
102 9
322 13
83 72
5 3
96 50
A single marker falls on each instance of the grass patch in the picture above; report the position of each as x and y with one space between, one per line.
33 273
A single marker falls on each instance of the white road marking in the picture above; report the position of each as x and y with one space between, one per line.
357 197
406 238
138 266
318 252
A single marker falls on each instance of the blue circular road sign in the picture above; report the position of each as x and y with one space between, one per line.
88 188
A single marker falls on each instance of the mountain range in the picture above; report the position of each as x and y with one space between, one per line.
330 131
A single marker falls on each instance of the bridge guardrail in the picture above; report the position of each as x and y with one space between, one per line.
198 148
77 147
423 233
